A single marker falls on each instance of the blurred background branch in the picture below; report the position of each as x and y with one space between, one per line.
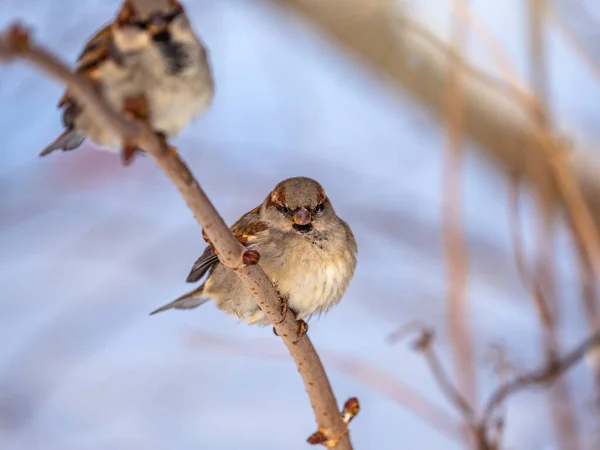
560 398
455 245
383 38
343 91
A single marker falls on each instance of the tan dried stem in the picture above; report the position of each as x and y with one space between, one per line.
454 241
575 43
589 292
544 270
514 214
532 282
544 296
15 44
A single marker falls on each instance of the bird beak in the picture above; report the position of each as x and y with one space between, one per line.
158 25
302 217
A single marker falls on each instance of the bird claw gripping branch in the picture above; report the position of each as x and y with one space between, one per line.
302 325
138 108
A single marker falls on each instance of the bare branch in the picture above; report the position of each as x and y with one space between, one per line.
547 374
425 345
487 428
15 43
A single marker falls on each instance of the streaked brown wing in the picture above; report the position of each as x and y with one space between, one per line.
96 50
245 231
246 228
96 47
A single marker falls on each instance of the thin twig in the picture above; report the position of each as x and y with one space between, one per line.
425 345
477 435
487 428
547 374
14 43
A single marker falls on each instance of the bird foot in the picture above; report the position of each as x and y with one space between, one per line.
284 309
302 330
128 152
165 144
137 107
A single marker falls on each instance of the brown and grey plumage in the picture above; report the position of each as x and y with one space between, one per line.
152 54
307 251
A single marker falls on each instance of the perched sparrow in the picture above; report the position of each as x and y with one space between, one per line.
147 63
307 251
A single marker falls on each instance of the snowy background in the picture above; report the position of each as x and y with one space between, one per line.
88 248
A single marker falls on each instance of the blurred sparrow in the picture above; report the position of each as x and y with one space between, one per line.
147 63
307 251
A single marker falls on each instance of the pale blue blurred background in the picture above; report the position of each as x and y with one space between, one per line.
88 248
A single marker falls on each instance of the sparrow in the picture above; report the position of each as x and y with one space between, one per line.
147 63
307 251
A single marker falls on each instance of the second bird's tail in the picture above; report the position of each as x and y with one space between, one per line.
68 140
192 299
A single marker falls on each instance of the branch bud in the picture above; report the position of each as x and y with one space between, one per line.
250 257
318 437
351 409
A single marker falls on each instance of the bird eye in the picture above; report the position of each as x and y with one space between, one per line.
141 24
320 207
284 209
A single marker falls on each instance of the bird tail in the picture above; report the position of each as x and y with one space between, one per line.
68 140
190 300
